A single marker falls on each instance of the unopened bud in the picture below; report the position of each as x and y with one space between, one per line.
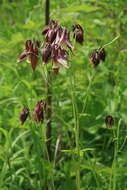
109 121
23 115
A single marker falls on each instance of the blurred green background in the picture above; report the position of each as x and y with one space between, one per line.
99 92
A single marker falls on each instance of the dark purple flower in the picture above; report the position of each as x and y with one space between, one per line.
33 54
38 113
60 57
94 57
102 54
28 46
109 121
23 115
97 55
57 41
65 39
45 30
31 51
50 31
78 33
22 56
46 53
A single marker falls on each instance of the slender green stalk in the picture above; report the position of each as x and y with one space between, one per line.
88 89
113 178
43 135
39 150
76 118
116 38
39 136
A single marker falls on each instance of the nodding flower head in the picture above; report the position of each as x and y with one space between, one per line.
30 51
97 55
46 53
50 31
94 57
78 33
39 110
109 121
60 57
102 54
23 115
65 39
56 47
57 42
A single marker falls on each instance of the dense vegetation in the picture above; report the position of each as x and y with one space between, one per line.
90 155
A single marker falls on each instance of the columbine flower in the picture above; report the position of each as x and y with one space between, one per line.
78 33
65 39
97 55
50 31
102 54
46 53
38 113
55 49
60 56
109 121
31 51
23 115
95 59
56 46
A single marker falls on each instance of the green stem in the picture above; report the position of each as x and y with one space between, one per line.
88 89
76 118
116 38
113 178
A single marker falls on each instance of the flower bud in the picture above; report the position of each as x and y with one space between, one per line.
109 121
23 115
38 113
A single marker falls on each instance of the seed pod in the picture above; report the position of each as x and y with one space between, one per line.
109 121
23 115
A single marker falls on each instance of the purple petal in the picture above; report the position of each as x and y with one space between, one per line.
22 56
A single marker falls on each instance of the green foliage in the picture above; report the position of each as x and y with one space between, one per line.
82 97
